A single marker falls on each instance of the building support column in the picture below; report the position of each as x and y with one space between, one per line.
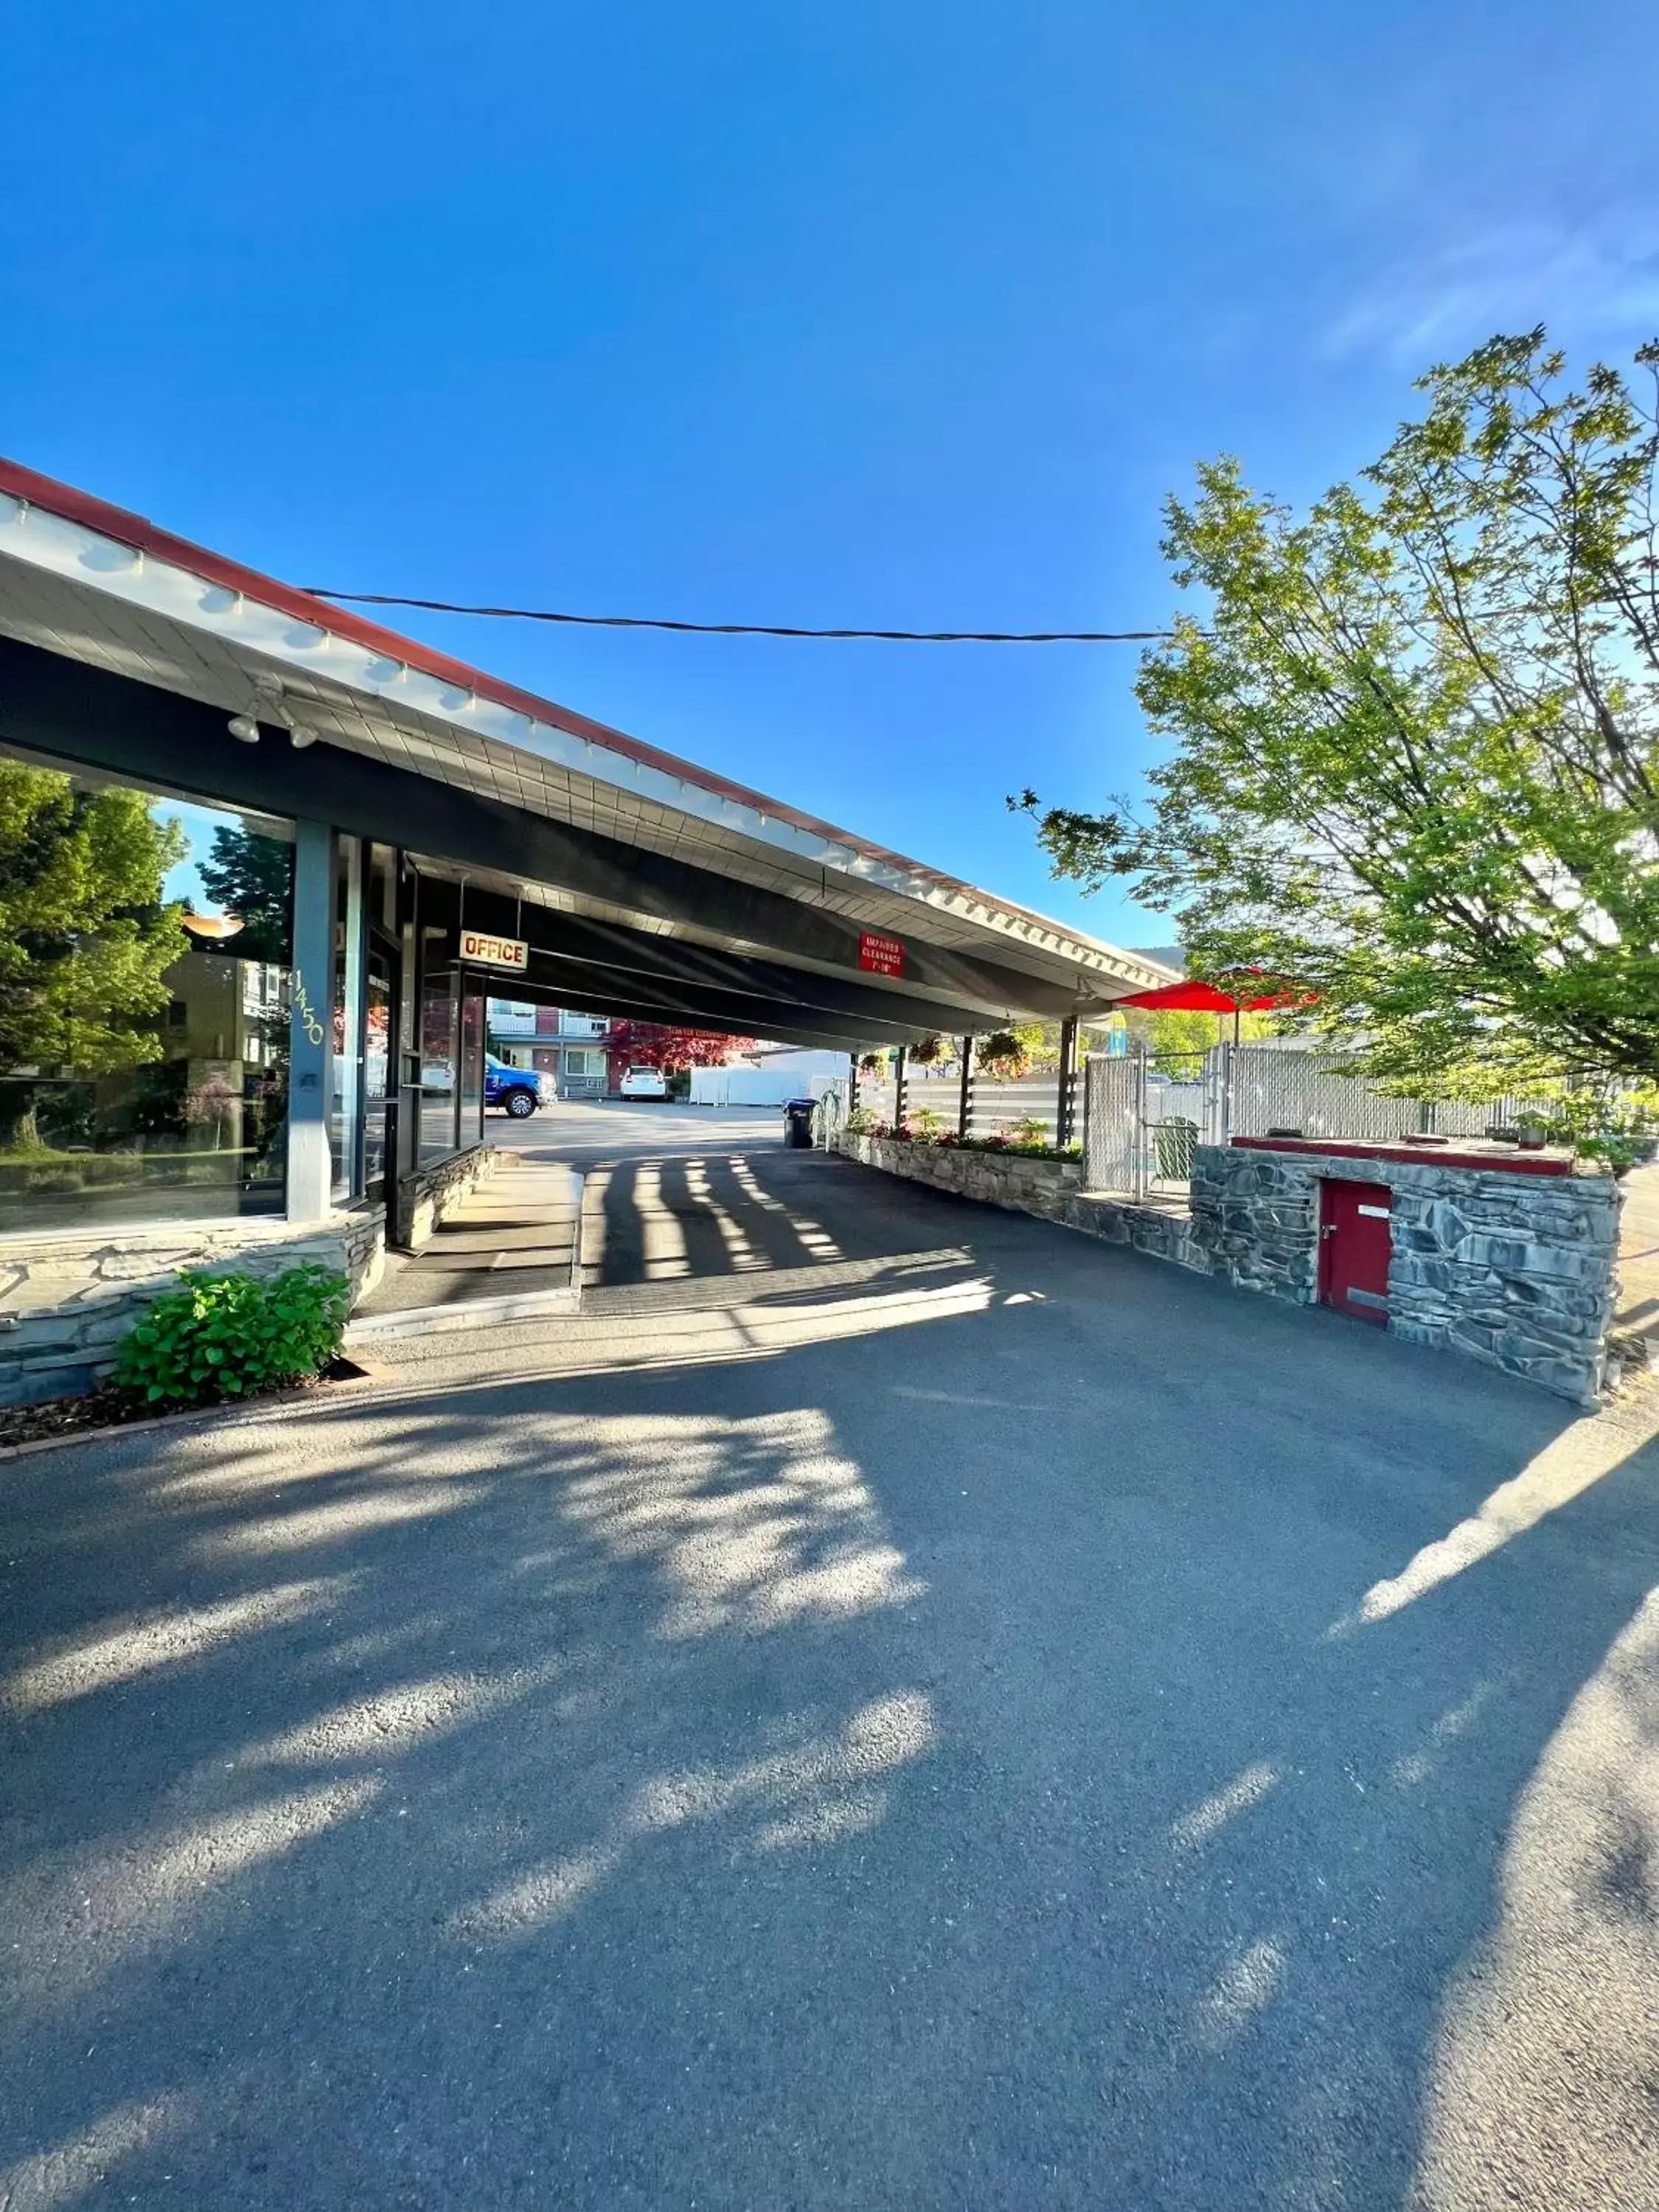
965 1101
310 1170
898 1086
1065 1103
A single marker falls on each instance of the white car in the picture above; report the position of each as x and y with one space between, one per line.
643 1082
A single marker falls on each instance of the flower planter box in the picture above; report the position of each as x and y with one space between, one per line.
1043 1188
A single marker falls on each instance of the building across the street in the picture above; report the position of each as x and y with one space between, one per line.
572 1049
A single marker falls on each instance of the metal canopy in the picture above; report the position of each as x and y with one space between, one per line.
661 884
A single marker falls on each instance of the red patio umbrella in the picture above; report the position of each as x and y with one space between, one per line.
1192 997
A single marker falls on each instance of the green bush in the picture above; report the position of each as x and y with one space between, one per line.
229 1336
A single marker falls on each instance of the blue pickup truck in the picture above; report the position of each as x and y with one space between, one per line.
516 1091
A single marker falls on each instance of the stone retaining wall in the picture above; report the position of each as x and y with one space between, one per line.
1162 1232
429 1194
1044 1188
66 1301
1517 1270
1051 1189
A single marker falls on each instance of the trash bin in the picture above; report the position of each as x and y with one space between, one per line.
1174 1143
797 1123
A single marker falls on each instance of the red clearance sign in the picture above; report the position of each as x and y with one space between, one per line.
882 955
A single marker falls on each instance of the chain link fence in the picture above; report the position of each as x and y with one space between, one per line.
1307 1093
1301 1093
1145 1115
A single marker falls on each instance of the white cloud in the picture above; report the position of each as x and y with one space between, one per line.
1591 280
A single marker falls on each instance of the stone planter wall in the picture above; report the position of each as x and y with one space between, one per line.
1517 1270
66 1301
1051 1189
1044 1188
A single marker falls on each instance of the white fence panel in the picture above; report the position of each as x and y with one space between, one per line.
997 1106
754 1086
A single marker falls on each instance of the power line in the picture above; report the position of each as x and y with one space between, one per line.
756 629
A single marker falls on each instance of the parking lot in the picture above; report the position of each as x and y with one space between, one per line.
895 1705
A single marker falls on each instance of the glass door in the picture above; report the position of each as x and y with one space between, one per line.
379 1000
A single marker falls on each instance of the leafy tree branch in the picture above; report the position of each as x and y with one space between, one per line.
1415 735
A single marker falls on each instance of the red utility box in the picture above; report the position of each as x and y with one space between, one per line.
1356 1243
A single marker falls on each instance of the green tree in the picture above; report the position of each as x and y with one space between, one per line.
252 877
1169 1031
1415 767
85 935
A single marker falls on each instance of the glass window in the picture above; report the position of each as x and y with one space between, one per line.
377 1054
581 1063
472 1069
345 1090
144 947
439 1043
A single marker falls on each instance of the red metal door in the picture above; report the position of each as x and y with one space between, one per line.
1355 1245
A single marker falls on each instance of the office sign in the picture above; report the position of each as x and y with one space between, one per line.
487 951
881 955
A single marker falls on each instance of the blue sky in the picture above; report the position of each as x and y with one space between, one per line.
898 316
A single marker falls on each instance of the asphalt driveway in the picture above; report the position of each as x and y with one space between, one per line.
946 1715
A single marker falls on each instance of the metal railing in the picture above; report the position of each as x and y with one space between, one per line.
829 1114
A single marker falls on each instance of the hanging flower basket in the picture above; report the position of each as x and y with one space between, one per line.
1004 1055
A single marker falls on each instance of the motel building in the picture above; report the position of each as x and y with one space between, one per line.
264 863
569 1047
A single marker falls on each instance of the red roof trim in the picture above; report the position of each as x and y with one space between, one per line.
129 529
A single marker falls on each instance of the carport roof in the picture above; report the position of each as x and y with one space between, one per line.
83 579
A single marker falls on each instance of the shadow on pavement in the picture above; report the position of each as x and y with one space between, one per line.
966 1761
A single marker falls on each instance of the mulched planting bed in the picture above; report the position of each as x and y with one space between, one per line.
110 1408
